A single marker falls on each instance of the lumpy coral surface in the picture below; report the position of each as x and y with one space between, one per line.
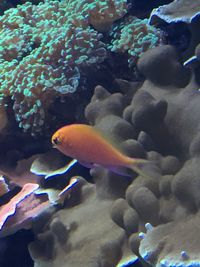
69 59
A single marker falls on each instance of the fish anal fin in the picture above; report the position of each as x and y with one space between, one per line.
120 170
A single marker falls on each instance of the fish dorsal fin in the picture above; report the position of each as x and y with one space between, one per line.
112 139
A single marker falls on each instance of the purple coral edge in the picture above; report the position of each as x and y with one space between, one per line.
167 18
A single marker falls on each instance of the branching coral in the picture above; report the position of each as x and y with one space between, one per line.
43 49
134 36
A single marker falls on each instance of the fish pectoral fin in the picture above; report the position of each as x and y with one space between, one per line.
62 170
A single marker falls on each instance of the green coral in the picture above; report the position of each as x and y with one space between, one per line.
43 48
134 36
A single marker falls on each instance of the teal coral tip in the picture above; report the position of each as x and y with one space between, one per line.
133 36
44 47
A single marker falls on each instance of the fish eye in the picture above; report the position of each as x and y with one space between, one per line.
56 141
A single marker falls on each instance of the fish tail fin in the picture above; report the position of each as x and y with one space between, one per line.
143 167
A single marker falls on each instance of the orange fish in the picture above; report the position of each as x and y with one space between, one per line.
85 144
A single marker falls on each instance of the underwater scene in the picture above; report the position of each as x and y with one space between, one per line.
99 141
